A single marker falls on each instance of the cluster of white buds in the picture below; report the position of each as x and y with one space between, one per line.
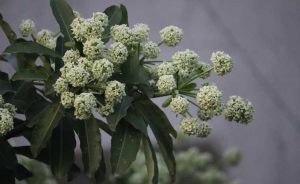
190 126
27 27
46 38
222 62
7 113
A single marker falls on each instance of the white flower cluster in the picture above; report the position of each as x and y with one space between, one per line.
46 38
186 62
150 50
102 69
166 68
222 62
239 110
190 126
7 113
166 84
117 53
209 100
171 35
27 27
84 103
179 105
93 48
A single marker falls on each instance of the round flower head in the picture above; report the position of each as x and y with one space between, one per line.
93 48
171 35
140 32
65 69
232 156
77 76
101 18
71 56
78 29
67 99
189 126
222 62
26 27
114 91
204 69
46 38
186 62
76 14
85 63
165 68
209 97
6 122
106 109
61 85
102 69
206 115
179 105
150 50
11 108
239 110
117 53
84 103
166 84
121 33
203 129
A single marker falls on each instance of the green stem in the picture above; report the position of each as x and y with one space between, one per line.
193 103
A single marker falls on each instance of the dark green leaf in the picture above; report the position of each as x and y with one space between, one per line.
74 172
62 148
8 159
44 123
5 87
30 47
64 16
90 144
136 121
31 74
119 113
125 145
155 114
124 15
3 76
161 129
151 161
104 126
10 34
7 176
133 72
100 174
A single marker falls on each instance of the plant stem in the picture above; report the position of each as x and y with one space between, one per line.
193 103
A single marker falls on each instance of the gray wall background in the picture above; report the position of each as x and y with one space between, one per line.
263 38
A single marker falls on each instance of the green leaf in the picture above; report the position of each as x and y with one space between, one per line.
124 15
189 87
136 121
161 129
125 145
155 114
30 47
100 175
90 144
5 87
10 34
37 73
114 14
119 113
62 148
44 123
8 159
104 126
167 102
151 161
133 72
64 16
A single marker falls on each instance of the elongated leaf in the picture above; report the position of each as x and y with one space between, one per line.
62 148
151 160
90 144
158 125
152 111
167 102
64 16
31 74
45 122
124 15
100 175
119 113
30 47
125 145
136 121
5 87
133 71
189 87
10 34
104 126
8 159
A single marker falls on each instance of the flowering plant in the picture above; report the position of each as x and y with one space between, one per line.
99 73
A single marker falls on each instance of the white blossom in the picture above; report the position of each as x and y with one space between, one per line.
27 27
171 35
179 105
222 62
166 84
102 69
84 103
150 50
117 53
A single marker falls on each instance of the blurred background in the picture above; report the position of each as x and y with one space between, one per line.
263 39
